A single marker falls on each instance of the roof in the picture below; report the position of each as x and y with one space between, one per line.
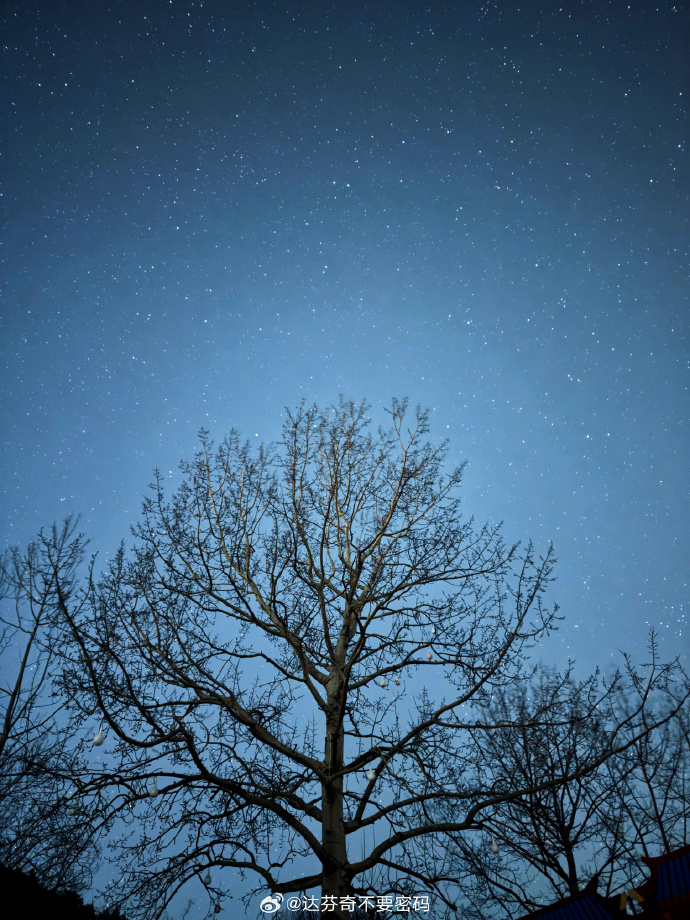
668 887
586 905
579 907
669 879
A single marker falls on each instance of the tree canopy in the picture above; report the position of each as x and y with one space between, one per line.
306 667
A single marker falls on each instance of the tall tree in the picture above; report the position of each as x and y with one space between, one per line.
41 829
284 667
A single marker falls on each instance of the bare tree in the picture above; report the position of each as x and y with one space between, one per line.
284 668
40 828
651 793
551 841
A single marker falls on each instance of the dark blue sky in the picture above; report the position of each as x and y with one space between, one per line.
212 210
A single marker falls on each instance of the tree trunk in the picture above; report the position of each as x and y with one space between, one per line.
335 881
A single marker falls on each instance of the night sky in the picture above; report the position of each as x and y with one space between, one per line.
213 210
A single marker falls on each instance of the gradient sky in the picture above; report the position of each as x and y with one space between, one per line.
213 210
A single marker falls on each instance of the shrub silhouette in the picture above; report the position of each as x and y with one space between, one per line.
28 894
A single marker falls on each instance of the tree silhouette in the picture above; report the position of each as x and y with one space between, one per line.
40 828
650 793
286 668
555 840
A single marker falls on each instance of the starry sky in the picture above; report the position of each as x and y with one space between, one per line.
213 210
